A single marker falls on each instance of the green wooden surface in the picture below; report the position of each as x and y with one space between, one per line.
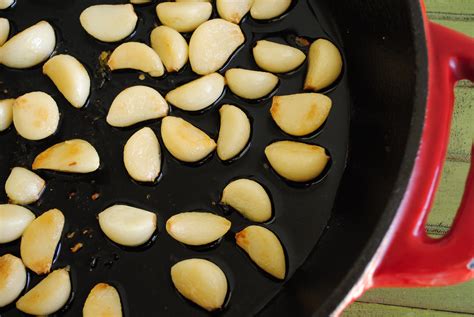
455 300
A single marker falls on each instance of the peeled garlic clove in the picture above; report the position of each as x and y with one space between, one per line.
135 55
29 47
48 296
250 84
4 30
109 22
234 132
324 66
126 225
249 198
40 239
277 58
184 141
266 10
6 113
12 278
197 228
183 16
212 44
73 156
264 249
23 186
300 114
70 77
4 4
232 10
200 281
197 94
170 46
142 156
103 300
13 221
296 161
136 104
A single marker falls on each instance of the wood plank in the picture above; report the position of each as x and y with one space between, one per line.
378 310
450 6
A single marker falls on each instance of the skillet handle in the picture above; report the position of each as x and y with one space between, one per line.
411 257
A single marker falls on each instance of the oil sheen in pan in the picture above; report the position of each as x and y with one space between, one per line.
143 275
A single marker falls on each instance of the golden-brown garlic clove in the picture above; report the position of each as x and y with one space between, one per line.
6 113
12 278
232 10
234 132
170 46
13 222
23 186
102 301
4 30
138 56
266 10
183 16
250 84
324 65
277 58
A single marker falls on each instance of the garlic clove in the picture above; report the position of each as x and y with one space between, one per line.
212 44
48 296
197 94
200 281
300 114
249 198
4 4
250 84
324 65
12 278
102 301
277 58
184 141
29 47
197 228
266 10
234 132
233 10
142 156
6 113
73 156
170 46
4 30
13 221
126 225
183 16
140 1
109 22
136 104
296 161
264 248
40 240
23 186
70 77
138 56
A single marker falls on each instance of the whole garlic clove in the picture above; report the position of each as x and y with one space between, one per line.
48 296
142 156
70 77
183 16
250 84
266 10
264 248
109 22
12 277
6 113
136 104
4 4
234 132
126 225
249 198
200 281
103 300
23 186
197 228
197 94
170 46
13 221
184 141
324 65
29 47
277 58
296 161
73 156
4 30
300 114
232 10
212 44
35 115
138 56
40 240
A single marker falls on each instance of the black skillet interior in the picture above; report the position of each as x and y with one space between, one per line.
142 275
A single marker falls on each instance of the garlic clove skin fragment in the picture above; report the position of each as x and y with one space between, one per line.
5 4
234 132
266 10
277 58
23 186
29 47
13 222
4 30
233 10
324 65
138 56
250 84
6 113
102 301
183 16
12 277
170 46
142 156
